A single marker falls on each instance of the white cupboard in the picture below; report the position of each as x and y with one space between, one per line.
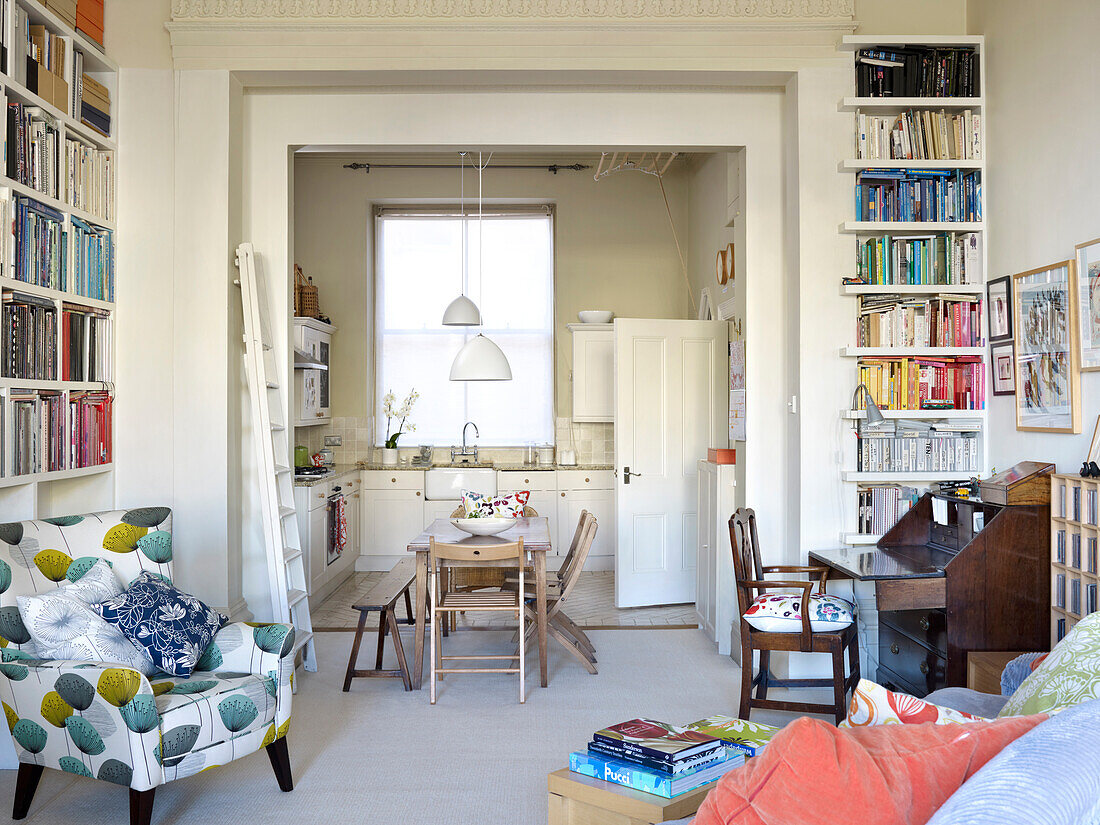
591 490
312 504
311 386
715 593
593 372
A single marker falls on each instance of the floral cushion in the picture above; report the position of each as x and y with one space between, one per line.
64 624
477 505
512 505
173 627
872 704
221 705
771 613
1069 676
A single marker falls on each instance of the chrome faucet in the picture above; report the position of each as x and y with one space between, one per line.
466 452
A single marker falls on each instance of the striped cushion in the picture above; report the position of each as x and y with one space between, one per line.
1046 777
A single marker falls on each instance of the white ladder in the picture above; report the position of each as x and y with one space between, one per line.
286 573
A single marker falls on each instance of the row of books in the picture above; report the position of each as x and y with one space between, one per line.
881 505
956 383
35 249
1074 605
31 147
916 195
917 71
669 760
85 344
919 134
1074 514
896 453
894 321
29 346
42 432
1076 558
88 179
95 104
946 258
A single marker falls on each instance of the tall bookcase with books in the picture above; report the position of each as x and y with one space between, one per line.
57 261
919 268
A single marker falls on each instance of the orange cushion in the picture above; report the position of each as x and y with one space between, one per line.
814 773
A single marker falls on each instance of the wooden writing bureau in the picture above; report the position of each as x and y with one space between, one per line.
956 575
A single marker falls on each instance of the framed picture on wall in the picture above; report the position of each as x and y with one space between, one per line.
1088 273
1000 308
1004 368
1048 381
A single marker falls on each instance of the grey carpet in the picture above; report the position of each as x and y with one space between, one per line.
380 756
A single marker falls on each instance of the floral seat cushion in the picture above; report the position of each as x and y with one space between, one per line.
771 613
221 706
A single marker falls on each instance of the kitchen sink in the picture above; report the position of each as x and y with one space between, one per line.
447 483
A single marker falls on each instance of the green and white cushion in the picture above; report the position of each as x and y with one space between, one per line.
1069 676
112 722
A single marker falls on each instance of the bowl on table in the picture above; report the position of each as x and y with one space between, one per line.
483 526
595 316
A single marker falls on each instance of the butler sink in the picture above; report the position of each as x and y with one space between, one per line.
447 483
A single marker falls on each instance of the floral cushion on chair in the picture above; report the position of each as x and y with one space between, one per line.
173 627
872 704
477 505
770 613
64 623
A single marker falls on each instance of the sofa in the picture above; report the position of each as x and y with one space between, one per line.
113 723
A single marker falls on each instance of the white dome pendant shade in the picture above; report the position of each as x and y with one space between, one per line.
462 312
480 360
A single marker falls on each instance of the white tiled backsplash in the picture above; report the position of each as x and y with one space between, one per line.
594 443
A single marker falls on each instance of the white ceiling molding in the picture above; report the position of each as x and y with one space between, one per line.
790 12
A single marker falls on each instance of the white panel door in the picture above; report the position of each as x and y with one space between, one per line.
671 404
390 519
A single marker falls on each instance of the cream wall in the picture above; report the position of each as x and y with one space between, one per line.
1042 75
613 249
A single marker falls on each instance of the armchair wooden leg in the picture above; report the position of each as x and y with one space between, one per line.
141 806
26 783
746 681
765 674
279 755
840 684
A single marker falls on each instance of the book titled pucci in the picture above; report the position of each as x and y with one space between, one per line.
653 782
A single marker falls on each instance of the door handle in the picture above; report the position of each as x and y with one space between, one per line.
627 474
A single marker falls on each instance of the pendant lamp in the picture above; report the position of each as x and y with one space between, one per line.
462 312
479 359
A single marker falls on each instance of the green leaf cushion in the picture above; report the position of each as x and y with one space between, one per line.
1070 675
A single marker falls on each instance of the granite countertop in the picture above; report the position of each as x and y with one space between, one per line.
374 465
337 471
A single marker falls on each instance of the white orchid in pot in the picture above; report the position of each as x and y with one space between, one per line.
401 415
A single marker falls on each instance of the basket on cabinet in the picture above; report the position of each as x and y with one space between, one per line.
306 304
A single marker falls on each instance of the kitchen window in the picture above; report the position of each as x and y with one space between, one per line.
419 271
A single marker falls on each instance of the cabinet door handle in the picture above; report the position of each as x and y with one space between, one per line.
418 492
355 496
394 480
924 668
586 481
527 481
895 649
924 623
563 495
320 495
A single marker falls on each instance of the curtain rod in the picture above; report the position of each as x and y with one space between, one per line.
553 168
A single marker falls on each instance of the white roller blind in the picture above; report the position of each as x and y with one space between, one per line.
419 272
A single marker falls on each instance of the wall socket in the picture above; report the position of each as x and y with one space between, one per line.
334 440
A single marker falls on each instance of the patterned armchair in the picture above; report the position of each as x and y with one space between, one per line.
111 722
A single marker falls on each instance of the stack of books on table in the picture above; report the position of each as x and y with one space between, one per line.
655 757
749 738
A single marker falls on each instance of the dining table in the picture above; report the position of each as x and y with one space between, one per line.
535 532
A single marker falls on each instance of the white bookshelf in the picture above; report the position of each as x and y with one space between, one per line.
40 494
851 106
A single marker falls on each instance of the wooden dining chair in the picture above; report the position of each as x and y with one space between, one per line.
749 576
444 602
566 564
558 625
477 578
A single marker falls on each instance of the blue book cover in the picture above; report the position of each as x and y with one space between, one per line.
636 777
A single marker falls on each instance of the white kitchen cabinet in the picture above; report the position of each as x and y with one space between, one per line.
543 486
593 372
591 490
393 512
715 592
316 548
312 404
312 502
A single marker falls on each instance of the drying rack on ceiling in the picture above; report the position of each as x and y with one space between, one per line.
650 163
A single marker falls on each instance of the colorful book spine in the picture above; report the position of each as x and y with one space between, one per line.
633 776
641 750
601 750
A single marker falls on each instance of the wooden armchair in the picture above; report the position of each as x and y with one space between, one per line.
749 576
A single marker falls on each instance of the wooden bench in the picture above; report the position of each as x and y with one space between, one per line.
383 598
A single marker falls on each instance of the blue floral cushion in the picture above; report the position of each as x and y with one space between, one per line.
172 626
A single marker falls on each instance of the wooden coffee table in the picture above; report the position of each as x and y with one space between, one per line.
576 799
